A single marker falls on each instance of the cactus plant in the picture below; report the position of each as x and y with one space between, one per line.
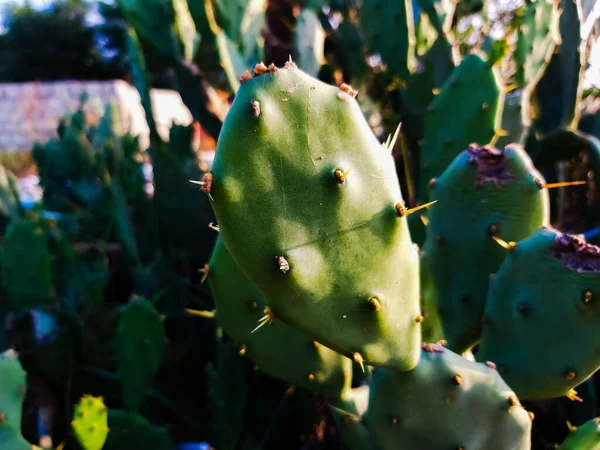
548 282
278 349
585 437
90 422
307 195
140 344
12 393
484 194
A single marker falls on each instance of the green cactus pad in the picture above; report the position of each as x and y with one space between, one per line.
536 41
12 393
585 437
129 430
484 193
26 266
446 402
468 109
277 349
308 203
389 30
140 345
542 315
90 422
309 40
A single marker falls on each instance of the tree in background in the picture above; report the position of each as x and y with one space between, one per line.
56 44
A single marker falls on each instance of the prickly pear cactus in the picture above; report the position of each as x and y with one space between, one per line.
26 266
484 194
324 234
585 437
12 393
536 41
90 422
140 345
468 109
546 291
129 430
309 39
277 349
445 402
389 30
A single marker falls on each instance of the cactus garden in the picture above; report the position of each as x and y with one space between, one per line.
396 246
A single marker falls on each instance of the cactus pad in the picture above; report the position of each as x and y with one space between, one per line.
468 109
584 437
140 345
446 402
484 193
129 430
12 393
90 422
542 315
277 349
309 205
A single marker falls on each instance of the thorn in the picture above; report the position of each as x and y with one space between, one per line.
243 349
357 357
204 271
564 184
531 415
204 314
572 428
510 246
500 133
572 395
284 266
392 142
424 219
272 68
403 211
375 304
206 183
457 380
266 319
341 176
289 64
214 227
290 391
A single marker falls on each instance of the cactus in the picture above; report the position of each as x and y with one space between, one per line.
324 235
484 194
468 109
140 344
556 95
26 266
309 38
536 41
90 422
278 350
445 402
546 286
12 393
389 30
585 437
